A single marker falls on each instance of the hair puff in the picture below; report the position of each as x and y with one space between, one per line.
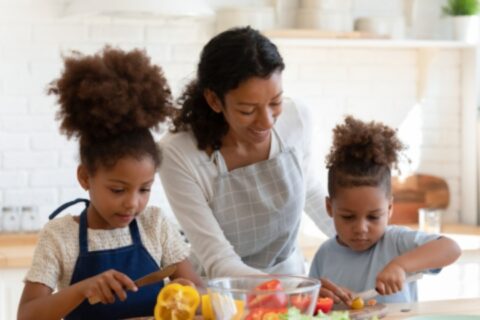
109 93
371 143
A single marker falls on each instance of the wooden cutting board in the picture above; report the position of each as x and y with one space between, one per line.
415 192
379 310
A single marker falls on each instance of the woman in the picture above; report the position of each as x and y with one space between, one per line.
236 168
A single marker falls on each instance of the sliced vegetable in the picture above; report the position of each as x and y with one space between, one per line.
357 303
371 302
265 313
176 302
324 305
295 314
300 301
268 300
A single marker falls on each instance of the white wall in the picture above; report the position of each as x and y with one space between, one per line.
37 165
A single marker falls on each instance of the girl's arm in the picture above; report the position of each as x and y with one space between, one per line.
38 302
431 255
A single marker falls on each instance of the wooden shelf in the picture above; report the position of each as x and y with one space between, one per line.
355 39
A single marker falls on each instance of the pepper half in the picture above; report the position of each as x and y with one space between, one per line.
176 302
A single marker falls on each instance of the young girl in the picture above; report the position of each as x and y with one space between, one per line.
366 253
109 101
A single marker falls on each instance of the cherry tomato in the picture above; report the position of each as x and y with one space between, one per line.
324 305
357 303
268 300
300 301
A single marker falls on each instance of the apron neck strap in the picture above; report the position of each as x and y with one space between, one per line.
222 166
83 232
66 205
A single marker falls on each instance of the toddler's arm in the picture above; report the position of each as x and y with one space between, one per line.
38 302
434 254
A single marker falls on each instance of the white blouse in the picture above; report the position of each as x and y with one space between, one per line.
58 246
188 176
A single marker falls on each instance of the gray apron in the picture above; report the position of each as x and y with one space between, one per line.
259 208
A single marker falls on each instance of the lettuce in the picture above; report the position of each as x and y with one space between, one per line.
294 314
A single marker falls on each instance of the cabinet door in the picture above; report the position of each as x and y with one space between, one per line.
11 286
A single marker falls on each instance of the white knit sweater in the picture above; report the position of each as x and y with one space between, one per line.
58 246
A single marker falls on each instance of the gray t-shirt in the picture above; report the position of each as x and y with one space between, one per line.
358 270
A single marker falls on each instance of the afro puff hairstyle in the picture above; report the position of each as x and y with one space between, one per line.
362 154
110 101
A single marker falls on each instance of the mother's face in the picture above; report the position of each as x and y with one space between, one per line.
252 108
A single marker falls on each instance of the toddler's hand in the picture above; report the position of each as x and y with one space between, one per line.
391 279
104 287
337 293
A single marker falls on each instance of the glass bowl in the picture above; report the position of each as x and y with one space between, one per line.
262 296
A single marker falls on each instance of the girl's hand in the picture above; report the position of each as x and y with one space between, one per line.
391 279
106 285
337 293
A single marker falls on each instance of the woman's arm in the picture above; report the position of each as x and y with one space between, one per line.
38 302
186 271
300 129
183 179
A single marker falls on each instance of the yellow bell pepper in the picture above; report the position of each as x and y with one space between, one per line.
176 302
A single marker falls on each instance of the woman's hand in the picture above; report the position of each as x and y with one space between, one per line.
337 293
106 285
391 279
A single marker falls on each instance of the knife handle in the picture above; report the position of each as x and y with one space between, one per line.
414 277
93 300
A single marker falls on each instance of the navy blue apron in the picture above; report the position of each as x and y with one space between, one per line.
133 260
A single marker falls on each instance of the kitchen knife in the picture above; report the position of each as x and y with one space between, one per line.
150 278
368 294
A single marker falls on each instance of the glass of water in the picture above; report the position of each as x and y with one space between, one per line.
430 220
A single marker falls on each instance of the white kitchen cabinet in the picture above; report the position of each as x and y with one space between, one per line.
11 286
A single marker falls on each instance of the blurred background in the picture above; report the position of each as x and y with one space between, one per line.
399 61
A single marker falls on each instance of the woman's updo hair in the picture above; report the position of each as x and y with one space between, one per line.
226 61
110 101
362 154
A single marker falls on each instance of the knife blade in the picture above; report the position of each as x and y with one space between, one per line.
150 278
368 294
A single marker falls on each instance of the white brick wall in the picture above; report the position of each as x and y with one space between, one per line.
37 165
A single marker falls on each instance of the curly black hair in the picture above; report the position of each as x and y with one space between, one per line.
226 61
110 101
362 154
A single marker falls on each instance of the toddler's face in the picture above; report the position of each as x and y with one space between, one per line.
119 193
360 215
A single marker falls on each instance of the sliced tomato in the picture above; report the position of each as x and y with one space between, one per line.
324 305
300 301
255 314
268 300
265 313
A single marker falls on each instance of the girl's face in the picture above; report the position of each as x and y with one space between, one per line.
360 215
119 193
251 109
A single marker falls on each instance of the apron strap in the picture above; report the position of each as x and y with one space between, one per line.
82 233
134 233
280 141
66 205
222 166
